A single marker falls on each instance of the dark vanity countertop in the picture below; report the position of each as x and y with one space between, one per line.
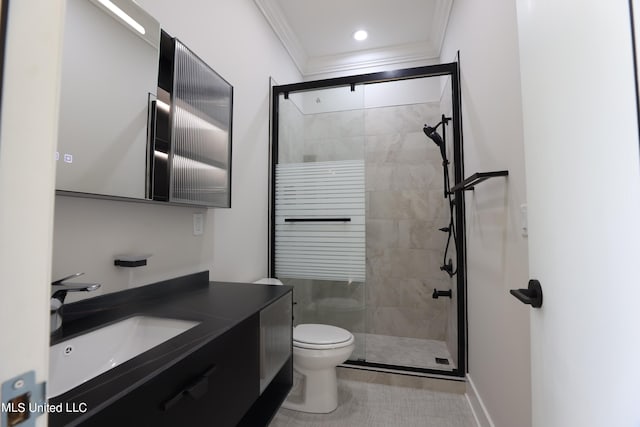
218 306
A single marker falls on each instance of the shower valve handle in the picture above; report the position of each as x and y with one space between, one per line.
437 294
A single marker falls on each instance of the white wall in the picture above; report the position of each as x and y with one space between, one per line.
581 142
499 359
27 170
233 37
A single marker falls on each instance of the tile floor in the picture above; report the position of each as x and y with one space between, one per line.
365 404
402 351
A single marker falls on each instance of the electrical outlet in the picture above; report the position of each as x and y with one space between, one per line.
198 224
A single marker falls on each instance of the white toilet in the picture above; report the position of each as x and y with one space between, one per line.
317 350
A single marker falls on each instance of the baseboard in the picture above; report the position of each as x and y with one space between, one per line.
477 406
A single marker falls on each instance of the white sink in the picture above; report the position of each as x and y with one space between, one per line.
84 357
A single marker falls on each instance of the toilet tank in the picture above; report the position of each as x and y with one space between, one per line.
269 281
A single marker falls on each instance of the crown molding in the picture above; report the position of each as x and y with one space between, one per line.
441 18
278 21
387 56
391 55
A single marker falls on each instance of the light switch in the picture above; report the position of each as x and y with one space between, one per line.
198 224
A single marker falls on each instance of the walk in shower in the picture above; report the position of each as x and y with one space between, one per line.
361 216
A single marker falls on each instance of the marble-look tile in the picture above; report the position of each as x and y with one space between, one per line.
406 204
378 177
405 351
421 264
419 204
332 149
375 405
335 124
352 123
398 148
409 293
401 119
336 289
416 234
397 176
381 233
377 263
407 322
290 133
414 263
322 126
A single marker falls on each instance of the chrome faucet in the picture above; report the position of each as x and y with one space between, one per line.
60 289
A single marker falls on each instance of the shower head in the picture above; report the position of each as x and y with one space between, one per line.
431 133
437 139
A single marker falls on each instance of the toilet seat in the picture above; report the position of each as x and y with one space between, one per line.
318 337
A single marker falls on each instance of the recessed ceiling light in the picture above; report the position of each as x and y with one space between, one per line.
360 35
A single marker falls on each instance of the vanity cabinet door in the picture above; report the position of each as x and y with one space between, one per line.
215 386
276 334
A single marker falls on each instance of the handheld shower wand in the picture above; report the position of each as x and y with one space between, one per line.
432 133
437 139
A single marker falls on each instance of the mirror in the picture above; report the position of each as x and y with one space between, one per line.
109 73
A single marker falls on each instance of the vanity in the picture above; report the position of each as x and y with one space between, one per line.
231 366
145 119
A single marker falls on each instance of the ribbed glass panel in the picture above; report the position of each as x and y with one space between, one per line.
320 220
276 332
201 132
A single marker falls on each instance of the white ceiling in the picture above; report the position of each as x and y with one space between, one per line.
318 33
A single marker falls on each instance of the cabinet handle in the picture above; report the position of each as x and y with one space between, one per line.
196 389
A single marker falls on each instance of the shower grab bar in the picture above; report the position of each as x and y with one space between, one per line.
317 220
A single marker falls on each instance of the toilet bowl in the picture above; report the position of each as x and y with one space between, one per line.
317 350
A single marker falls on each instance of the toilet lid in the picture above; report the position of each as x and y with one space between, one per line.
312 333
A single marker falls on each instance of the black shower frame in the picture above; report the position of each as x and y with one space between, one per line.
450 69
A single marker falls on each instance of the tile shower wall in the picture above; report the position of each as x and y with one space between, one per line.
290 133
405 208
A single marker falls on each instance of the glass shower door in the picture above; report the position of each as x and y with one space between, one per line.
320 246
364 224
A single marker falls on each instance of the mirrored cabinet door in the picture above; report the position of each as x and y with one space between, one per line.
141 116
109 68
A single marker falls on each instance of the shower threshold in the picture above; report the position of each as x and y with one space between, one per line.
411 353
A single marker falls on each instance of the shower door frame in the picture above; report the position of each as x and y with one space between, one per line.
447 69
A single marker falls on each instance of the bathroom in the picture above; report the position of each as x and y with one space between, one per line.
85 234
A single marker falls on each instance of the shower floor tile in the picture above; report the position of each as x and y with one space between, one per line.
376 405
402 351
